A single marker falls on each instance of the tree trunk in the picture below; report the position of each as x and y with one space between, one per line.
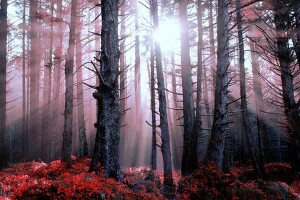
189 161
137 87
34 80
68 114
123 86
220 122
258 165
153 112
57 81
106 150
258 95
24 111
3 62
83 145
291 108
46 123
165 137
212 49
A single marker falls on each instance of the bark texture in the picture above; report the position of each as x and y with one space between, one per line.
3 61
165 136
69 98
83 145
220 122
284 55
189 157
106 150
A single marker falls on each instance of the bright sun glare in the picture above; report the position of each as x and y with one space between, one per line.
168 35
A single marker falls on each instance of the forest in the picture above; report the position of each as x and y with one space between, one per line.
150 99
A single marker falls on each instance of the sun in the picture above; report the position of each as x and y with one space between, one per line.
168 35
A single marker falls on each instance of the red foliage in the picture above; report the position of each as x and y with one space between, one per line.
36 180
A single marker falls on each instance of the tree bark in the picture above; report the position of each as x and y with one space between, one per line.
137 87
153 114
284 54
258 165
220 122
46 110
3 69
165 137
189 157
123 73
83 145
34 80
106 150
259 101
69 69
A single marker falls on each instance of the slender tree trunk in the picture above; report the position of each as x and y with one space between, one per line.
212 48
177 131
153 113
258 95
47 96
34 80
189 161
165 137
68 114
57 81
3 62
258 165
24 106
123 98
198 120
106 150
220 123
83 145
137 87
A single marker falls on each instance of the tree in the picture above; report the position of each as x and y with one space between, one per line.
34 62
165 137
285 57
220 122
106 151
189 156
83 145
258 166
3 61
68 114
46 111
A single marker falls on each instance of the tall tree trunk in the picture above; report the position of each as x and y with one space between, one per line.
47 96
137 86
189 161
177 131
291 108
153 112
24 106
57 80
68 114
106 150
258 95
220 122
258 166
212 49
123 73
198 120
83 145
165 137
3 61
34 80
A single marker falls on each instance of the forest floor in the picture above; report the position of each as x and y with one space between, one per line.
37 180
